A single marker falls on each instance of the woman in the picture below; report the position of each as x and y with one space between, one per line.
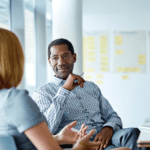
19 115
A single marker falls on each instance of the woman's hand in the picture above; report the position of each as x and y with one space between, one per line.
68 136
82 131
85 144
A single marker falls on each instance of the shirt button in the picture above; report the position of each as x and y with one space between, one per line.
79 97
85 110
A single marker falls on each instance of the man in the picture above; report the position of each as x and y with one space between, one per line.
69 97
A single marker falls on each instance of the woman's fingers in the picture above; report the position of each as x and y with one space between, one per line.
72 124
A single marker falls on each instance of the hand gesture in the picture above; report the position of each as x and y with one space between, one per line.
82 131
85 144
104 137
70 84
68 136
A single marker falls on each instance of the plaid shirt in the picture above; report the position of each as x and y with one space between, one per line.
85 105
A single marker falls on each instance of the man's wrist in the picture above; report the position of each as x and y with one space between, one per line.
108 127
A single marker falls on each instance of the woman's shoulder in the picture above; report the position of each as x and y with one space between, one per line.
15 97
17 93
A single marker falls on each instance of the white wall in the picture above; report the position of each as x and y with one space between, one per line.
130 98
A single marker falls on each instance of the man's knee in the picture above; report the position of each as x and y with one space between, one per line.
130 138
133 132
126 137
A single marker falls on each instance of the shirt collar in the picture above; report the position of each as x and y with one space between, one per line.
58 81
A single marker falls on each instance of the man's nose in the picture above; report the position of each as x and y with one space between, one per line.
61 61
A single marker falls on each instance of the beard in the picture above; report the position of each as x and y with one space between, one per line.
63 71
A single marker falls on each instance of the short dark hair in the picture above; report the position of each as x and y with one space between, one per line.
59 42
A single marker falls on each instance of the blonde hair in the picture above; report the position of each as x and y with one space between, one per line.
11 60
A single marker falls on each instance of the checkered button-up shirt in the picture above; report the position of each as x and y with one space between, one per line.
85 105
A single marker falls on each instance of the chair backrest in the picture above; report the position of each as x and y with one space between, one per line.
7 143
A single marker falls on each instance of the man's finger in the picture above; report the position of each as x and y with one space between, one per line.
96 138
100 138
79 81
81 84
106 143
101 147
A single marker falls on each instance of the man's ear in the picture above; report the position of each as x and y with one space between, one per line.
74 57
49 62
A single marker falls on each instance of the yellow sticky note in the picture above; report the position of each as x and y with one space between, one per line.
103 52
142 57
118 40
137 69
85 47
125 77
90 70
99 76
91 59
103 63
142 62
91 54
103 45
132 69
84 39
84 58
90 38
103 38
120 69
119 52
91 42
88 77
104 58
104 69
99 81
91 47
127 69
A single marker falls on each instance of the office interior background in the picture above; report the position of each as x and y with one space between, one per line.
38 22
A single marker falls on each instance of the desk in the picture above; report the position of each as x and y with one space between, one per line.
144 137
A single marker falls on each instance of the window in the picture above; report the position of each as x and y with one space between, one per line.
30 52
5 14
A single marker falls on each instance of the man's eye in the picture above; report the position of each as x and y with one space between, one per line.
55 58
66 56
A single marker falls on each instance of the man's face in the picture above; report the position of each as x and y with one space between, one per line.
62 60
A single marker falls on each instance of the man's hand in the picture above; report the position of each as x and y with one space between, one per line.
104 137
70 84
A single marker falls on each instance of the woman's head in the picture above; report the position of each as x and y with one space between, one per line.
11 60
